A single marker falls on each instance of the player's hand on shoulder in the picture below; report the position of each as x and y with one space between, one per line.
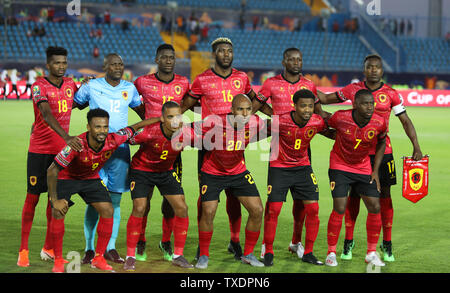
74 142
87 79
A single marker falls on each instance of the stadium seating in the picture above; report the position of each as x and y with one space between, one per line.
134 45
263 48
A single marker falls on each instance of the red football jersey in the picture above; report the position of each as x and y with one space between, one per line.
157 152
289 145
87 163
385 98
281 91
216 92
43 139
351 149
225 145
156 92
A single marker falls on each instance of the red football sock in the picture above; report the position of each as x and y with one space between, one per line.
180 229
167 228
104 231
373 227
387 216
270 223
134 227
27 218
298 211
234 215
351 213
204 239
312 225
334 228
48 238
144 226
251 237
57 234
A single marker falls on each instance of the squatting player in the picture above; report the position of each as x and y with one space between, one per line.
386 101
78 172
358 131
280 89
114 95
153 165
290 169
52 103
157 89
215 89
224 167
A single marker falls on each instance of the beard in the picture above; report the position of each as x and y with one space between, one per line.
224 66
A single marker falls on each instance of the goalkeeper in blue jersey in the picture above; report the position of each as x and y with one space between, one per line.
114 95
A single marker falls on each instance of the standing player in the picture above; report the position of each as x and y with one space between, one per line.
52 103
153 165
224 167
386 100
358 131
290 169
215 89
77 172
280 89
115 96
157 89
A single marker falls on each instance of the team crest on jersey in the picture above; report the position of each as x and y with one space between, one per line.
125 95
369 134
310 133
177 89
69 92
382 98
237 83
106 155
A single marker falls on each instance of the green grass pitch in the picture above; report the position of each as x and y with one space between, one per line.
420 232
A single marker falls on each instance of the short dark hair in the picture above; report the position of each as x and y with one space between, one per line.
164 47
289 50
51 51
303 94
373 56
363 92
169 105
96 113
218 41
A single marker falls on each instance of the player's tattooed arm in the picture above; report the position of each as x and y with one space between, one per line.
73 141
60 206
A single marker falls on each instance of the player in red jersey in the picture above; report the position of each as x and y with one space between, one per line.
280 89
290 169
225 138
215 89
358 130
52 103
77 172
153 165
157 89
387 100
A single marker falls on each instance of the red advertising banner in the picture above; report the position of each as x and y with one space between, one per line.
430 98
415 178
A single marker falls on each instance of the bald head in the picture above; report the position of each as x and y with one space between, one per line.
240 98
